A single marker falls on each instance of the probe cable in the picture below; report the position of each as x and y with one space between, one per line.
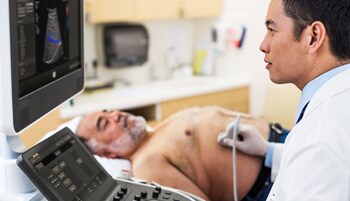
235 133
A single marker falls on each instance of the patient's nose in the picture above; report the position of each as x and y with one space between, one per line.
114 116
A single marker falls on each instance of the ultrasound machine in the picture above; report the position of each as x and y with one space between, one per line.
41 58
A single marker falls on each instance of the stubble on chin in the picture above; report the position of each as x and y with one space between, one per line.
137 131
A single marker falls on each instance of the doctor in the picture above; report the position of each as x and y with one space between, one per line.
308 44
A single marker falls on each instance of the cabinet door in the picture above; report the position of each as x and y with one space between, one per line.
235 99
157 9
105 11
35 132
201 8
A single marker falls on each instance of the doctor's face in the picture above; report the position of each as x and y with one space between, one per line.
284 54
113 131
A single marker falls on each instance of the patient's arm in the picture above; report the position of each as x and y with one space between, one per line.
160 170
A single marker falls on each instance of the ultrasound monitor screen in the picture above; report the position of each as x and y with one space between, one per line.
48 41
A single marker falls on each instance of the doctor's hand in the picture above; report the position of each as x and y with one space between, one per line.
253 142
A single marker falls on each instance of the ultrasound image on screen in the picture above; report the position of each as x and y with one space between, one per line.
48 41
52 32
53 44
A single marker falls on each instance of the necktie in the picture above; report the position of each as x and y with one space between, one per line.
302 113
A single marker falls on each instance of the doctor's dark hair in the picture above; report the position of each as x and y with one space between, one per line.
334 14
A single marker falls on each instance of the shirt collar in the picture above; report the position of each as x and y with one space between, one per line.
314 85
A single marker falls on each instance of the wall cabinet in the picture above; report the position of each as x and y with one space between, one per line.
108 11
201 8
233 99
156 9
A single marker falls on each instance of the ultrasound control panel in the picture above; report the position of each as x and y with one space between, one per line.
63 169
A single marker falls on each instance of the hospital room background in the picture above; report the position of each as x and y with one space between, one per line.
198 52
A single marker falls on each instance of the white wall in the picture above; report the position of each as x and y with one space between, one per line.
248 61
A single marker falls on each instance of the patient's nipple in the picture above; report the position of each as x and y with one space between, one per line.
188 132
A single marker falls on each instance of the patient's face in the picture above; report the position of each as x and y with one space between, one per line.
119 131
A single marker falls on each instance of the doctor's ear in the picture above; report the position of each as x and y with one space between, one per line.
316 36
311 40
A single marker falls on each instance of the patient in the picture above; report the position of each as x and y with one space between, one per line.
181 152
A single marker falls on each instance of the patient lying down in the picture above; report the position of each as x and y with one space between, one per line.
181 152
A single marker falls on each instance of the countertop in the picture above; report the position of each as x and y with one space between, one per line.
136 96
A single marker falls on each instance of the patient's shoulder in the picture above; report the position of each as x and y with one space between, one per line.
147 163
